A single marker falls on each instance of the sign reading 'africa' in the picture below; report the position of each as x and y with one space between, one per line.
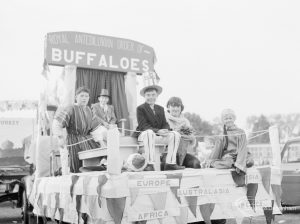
98 52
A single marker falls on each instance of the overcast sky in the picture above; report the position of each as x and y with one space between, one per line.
213 54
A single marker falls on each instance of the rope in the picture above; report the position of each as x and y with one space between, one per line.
203 136
257 135
261 132
80 142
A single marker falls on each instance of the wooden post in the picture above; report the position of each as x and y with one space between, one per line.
131 96
274 139
123 126
114 161
69 84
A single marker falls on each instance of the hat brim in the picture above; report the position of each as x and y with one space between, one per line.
103 95
158 89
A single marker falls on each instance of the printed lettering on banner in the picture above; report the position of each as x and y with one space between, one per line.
153 183
204 191
134 215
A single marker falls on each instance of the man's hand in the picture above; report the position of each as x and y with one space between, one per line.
163 132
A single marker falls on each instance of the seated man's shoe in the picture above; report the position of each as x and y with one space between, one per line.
173 167
149 167
92 168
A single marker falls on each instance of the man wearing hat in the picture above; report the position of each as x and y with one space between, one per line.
104 114
152 127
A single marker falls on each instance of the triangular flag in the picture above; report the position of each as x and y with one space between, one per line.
133 194
183 218
44 217
265 173
239 220
56 205
38 181
159 200
91 204
116 208
277 193
78 205
192 202
134 191
251 194
268 211
61 214
238 178
174 189
86 182
102 179
74 179
40 203
206 211
84 217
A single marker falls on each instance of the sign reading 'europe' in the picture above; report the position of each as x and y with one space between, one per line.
98 52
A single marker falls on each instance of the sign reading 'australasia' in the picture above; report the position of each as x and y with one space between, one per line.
98 52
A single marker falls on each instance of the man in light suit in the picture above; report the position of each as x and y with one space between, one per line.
105 116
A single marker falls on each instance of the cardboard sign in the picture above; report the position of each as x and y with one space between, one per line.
203 191
153 183
98 52
150 215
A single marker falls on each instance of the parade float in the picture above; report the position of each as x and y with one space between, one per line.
113 196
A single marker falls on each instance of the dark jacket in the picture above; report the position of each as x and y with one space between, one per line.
148 120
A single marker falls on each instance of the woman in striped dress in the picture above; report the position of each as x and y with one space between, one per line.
78 121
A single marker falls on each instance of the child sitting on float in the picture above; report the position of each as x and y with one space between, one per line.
231 150
179 123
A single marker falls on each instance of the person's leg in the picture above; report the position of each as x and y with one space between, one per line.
91 168
224 163
173 140
191 161
163 161
173 143
148 140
